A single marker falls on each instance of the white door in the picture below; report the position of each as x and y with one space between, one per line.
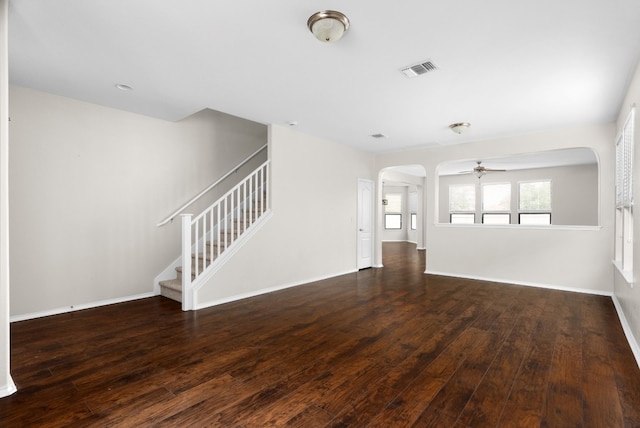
365 223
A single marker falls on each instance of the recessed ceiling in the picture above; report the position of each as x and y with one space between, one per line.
508 68
544 159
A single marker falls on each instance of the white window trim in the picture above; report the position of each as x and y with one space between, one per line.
624 221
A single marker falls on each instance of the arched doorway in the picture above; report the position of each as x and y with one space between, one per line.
400 207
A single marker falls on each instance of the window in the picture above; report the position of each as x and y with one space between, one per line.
624 197
534 218
393 211
496 203
534 202
462 203
463 218
496 218
393 221
413 209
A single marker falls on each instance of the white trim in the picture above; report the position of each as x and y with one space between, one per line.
8 389
627 330
524 283
80 307
626 274
242 296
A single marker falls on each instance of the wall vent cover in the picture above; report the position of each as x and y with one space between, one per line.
420 69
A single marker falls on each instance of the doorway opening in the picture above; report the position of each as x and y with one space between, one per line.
400 207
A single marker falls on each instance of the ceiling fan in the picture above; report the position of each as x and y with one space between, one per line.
481 170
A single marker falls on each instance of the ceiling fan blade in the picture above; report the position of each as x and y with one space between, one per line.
495 170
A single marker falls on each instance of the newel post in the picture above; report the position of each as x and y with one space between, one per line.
187 293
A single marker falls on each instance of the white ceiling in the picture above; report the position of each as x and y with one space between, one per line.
544 159
506 67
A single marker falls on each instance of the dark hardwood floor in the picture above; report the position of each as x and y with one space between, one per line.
388 347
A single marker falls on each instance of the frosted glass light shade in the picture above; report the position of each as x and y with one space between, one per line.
328 26
459 128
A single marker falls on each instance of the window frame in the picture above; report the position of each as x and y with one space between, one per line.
624 219
463 212
473 215
388 215
496 213
535 211
491 212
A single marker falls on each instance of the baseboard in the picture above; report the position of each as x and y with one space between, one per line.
524 283
627 330
8 389
73 308
248 295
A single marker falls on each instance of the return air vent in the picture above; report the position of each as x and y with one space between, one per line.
419 69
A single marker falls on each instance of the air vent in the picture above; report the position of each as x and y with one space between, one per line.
419 69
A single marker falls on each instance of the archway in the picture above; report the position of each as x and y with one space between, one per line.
400 207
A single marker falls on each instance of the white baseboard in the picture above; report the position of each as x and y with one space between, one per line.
633 343
524 283
8 389
73 308
241 296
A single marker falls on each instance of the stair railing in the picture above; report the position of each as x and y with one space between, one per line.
210 187
218 228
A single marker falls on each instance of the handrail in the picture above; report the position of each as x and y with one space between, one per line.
199 195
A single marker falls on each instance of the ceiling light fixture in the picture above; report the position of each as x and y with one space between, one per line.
479 173
459 127
123 87
328 25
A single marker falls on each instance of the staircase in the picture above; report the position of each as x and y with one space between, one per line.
208 237
172 288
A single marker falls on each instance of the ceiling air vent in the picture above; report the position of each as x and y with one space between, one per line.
418 69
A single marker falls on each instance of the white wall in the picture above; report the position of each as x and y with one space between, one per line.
88 186
574 192
312 232
6 383
628 295
564 257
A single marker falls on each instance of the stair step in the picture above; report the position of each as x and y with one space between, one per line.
171 289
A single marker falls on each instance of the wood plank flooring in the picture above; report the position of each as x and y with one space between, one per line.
388 347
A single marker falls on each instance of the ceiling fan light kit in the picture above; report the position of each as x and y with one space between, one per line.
480 170
328 25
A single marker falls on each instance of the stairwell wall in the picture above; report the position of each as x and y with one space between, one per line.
312 233
88 186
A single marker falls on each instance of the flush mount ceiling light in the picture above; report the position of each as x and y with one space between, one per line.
328 26
123 87
459 127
